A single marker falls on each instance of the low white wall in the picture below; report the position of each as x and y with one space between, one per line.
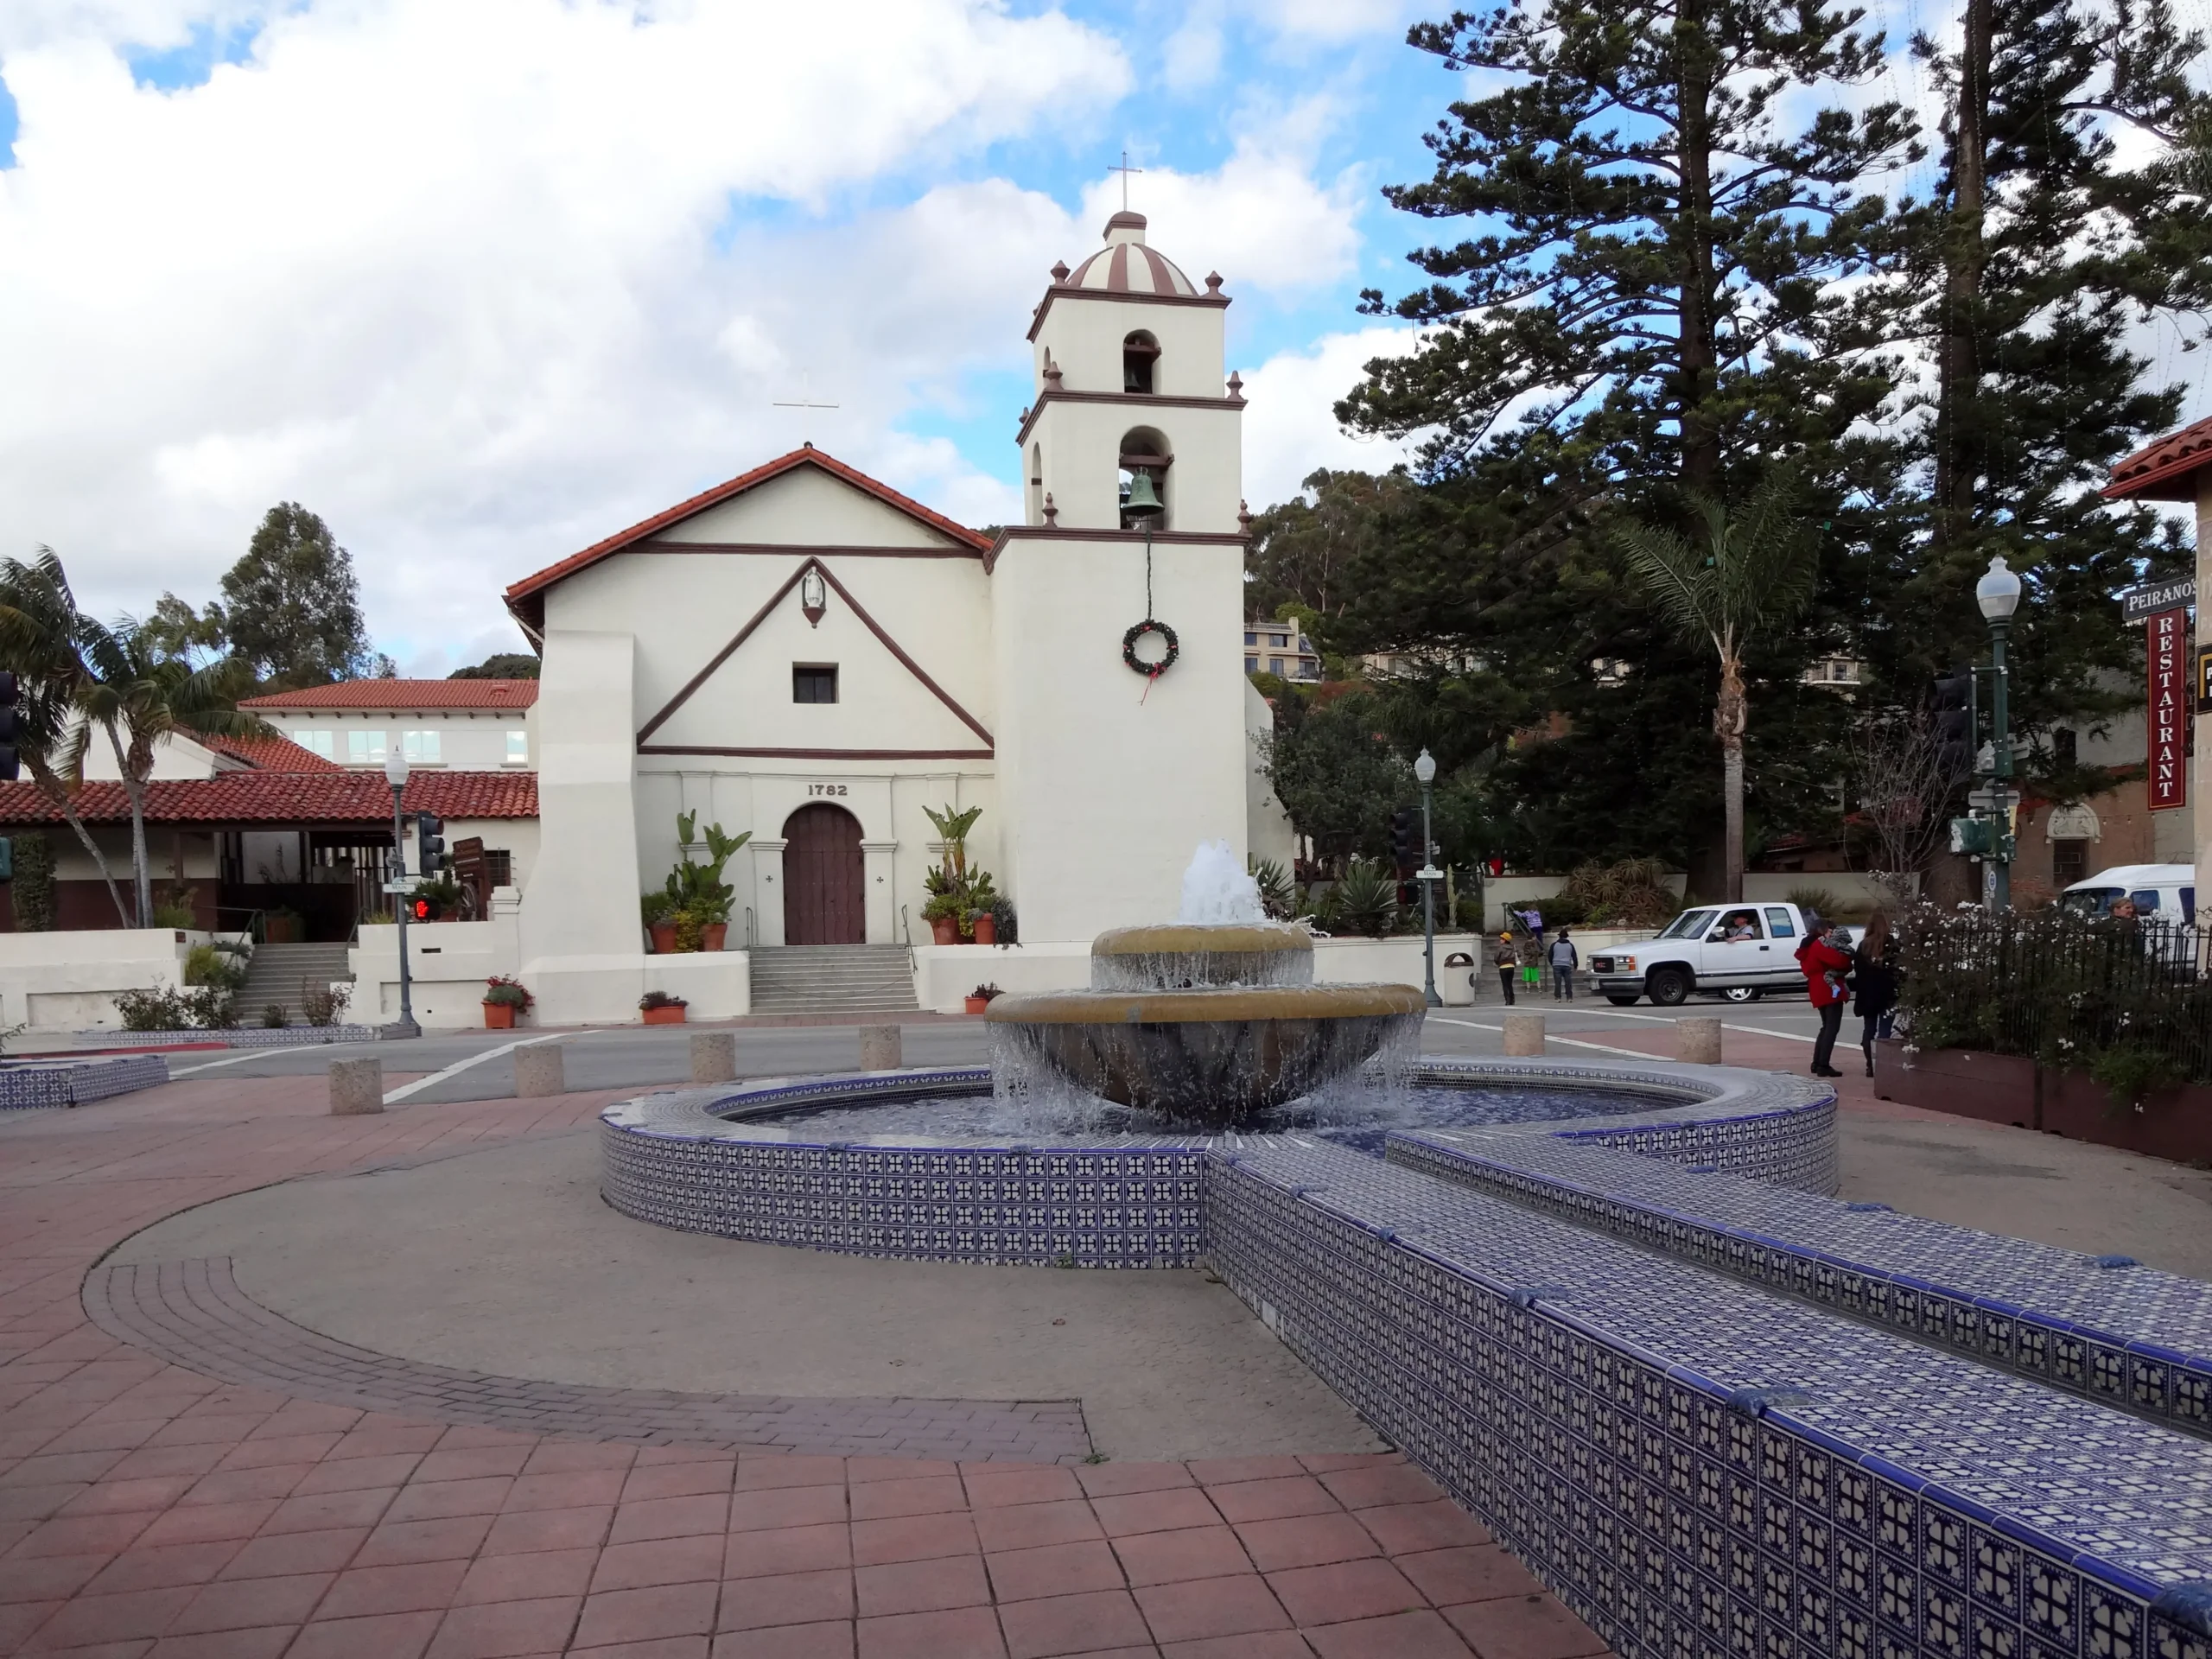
1521 891
1856 890
67 982
448 963
945 974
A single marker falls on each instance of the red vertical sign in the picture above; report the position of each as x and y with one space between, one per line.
2167 645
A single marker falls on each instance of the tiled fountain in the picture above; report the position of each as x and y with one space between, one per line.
1614 1310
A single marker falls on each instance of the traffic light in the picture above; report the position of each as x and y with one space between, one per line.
1955 723
10 766
1405 841
430 843
418 909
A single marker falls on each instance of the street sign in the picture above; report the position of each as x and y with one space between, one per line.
2146 602
1993 800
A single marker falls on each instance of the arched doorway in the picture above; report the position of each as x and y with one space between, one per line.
825 891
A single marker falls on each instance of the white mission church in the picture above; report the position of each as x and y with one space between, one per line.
807 654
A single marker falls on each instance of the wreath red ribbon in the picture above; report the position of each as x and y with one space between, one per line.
1150 671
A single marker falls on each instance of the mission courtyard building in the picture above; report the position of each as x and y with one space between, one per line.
804 654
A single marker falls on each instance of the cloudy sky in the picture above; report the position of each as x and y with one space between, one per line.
483 281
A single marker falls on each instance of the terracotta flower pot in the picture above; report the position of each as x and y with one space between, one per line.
664 935
945 930
714 936
283 929
663 1016
977 1004
986 928
499 1016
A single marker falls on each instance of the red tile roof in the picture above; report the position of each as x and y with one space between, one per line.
404 694
270 753
525 599
2167 470
240 798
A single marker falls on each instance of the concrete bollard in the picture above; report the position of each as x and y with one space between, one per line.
1524 1036
538 1071
356 1087
714 1056
1697 1042
880 1049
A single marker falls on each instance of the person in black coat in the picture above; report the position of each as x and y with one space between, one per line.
1874 980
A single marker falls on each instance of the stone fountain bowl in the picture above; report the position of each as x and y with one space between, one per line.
1215 1058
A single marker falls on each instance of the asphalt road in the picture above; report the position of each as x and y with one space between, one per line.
478 1065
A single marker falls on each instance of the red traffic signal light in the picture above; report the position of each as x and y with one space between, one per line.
422 910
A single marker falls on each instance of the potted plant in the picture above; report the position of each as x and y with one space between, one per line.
442 896
660 927
687 929
660 1008
283 925
980 998
942 912
697 891
504 1002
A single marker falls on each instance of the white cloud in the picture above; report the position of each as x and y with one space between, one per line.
461 279
1289 428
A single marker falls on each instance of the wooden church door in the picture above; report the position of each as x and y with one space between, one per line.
825 888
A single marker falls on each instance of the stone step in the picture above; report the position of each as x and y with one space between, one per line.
276 974
832 979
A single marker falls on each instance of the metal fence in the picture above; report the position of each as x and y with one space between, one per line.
2058 989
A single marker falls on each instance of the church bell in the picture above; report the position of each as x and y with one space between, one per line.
1141 502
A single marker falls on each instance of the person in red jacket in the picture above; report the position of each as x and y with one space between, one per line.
1826 959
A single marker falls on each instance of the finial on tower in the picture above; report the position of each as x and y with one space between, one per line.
1213 282
1244 518
1052 512
1235 387
1059 272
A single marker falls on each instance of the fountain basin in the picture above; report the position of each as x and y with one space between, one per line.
1213 1058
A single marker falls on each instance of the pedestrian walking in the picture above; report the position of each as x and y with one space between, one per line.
1826 964
1874 980
1565 960
1507 960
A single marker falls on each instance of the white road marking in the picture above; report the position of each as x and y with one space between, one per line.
262 1054
1603 1048
1749 1031
458 1066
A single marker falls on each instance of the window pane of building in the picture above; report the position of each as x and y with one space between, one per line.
422 748
324 743
365 748
517 746
814 685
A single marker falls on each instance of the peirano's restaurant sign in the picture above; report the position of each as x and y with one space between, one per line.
2144 603
2167 643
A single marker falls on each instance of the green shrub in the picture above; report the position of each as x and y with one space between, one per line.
159 1009
1278 892
32 888
210 964
1367 898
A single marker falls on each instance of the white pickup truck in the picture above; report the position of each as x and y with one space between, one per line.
1736 950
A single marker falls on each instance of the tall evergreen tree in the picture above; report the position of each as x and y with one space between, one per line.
290 609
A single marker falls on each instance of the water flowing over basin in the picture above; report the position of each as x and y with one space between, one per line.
1207 1025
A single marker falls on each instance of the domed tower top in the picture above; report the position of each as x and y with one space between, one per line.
1126 265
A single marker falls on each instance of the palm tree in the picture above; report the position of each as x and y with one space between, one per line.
141 696
41 635
1751 571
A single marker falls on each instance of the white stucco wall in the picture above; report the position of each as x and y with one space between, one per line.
1268 831
806 507
67 982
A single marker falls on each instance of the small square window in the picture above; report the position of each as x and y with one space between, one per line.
499 867
365 748
518 748
323 743
422 749
814 683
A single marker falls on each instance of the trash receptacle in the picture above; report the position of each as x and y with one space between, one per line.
1455 981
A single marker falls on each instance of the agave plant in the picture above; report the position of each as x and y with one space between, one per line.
1278 892
1367 898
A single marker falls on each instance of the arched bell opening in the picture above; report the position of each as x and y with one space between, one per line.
1140 357
1145 456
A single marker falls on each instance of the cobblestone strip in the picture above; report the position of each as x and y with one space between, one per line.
193 1313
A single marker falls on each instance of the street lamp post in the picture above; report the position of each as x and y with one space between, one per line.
1999 594
395 774
1428 875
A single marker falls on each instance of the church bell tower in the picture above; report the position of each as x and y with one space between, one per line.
1118 601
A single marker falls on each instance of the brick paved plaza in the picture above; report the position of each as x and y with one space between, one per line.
194 1475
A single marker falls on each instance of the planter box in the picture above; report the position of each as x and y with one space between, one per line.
663 1016
2174 1123
500 1016
1995 1088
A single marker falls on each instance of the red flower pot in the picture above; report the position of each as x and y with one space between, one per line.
986 928
977 1004
714 936
945 930
663 1016
664 934
499 1016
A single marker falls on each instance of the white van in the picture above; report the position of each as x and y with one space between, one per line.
2167 891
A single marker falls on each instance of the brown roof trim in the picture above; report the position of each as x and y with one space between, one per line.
2166 470
811 562
525 599
1135 399
785 550
822 754
1066 291
1133 537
